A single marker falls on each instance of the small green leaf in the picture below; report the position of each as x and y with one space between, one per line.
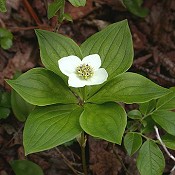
132 142
20 107
129 88
114 45
42 87
4 112
148 125
135 114
3 6
146 108
106 121
134 6
4 33
150 160
63 17
169 141
50 126
5 38
78 3
166 119
53 47
5 100
6 43
54 7
21 167
167 102
67 17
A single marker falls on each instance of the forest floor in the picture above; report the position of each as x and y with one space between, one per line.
154 57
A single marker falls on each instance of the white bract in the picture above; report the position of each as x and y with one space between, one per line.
83 72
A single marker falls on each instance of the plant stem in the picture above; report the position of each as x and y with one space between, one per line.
60 20
83 154
68 163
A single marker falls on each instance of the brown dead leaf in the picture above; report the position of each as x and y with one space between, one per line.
21 61
79 12
102 160
115 4
139 39
21 154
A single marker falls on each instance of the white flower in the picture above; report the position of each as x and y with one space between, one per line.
83 72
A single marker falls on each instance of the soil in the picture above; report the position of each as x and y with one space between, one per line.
154 49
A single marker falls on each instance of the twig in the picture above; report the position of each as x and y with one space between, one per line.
68 163
17 29
32 12
164 147
172 80
167 63
123 165
83 154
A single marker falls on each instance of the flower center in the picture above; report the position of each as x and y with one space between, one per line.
85 71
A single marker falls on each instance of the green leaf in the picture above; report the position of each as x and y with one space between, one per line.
53 47
21 167
20 107
42 87
150 159
5 38
4 33
169 141
106 121
148 125
67 17
114 45
5 100
54 7
135 114
166 119
6 43
167 102
78 3
129 88
146 108
3 6
134 6
132 142
50 126
4 112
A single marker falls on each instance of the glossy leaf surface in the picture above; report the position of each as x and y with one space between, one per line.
150 159
166 119
50 126
53 47
129 88
167 102
77 3
106 121
114 45
42 87
132 142
21 167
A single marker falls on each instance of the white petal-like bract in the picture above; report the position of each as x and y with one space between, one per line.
92 60
69 64
83 72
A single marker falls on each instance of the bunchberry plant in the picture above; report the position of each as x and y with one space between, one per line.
79 91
